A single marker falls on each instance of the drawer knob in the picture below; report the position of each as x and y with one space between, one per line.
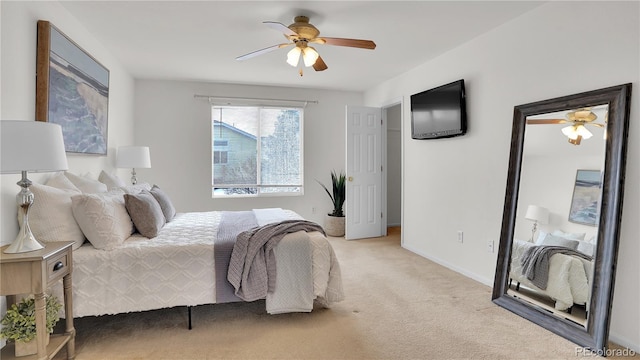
59 265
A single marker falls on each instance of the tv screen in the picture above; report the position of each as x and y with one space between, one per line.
439 112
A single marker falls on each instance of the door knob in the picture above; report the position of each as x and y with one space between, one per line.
350 178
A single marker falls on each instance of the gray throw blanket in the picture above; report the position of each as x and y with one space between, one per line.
252 269
232 223
535 262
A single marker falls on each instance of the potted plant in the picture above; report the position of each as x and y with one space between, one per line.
19 323
334 221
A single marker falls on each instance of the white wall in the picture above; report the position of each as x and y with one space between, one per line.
557 176
459 183
177 128
18 64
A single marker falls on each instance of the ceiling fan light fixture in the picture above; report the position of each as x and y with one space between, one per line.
570 132
309 55
583 131
293 56
573 131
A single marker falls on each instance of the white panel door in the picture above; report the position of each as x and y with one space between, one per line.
364 173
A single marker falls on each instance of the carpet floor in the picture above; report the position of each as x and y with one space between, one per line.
398 306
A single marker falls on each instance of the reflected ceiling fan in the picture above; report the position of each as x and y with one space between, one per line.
578 119
301 33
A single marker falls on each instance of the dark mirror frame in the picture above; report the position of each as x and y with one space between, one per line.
595 335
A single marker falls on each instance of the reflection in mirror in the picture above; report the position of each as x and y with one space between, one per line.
556 230
563 204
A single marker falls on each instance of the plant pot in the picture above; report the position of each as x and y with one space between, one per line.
334 225
29 347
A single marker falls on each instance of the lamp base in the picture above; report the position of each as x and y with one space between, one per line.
25 241
134 180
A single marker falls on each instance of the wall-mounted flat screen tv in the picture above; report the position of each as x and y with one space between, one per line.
439 112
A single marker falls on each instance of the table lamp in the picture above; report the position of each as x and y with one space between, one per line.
537 214
133 157
29 146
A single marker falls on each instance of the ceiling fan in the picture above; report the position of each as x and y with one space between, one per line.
300 34
578 119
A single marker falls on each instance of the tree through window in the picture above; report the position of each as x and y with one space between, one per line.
256 151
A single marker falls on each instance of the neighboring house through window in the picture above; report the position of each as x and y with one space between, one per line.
256 151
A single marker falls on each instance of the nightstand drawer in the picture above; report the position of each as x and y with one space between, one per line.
57 267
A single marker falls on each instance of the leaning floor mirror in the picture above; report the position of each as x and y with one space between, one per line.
563 204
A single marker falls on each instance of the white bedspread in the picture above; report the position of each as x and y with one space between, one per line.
174 269
569 277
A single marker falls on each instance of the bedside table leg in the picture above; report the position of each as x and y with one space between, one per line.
41 324
68 310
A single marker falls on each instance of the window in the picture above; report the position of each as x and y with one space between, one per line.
257 151
220 148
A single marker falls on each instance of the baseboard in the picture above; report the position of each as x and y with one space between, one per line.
625 343
448 265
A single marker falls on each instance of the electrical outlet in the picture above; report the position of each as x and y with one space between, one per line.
490 246
460 236
313 210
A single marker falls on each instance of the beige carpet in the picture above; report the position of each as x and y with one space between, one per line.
398 306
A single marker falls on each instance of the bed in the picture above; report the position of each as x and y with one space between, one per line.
569 276
120 268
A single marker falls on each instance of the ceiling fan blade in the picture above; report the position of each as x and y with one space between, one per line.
262 51
357 43
596 124
280 27
547 121
319 65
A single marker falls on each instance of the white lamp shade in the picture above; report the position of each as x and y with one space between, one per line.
32 146
133 157
309 55
573 131
537 213
293 56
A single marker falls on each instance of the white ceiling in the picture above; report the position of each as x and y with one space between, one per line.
199 40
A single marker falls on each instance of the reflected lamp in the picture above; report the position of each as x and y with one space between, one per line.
537 214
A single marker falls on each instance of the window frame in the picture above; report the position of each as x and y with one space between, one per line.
258 186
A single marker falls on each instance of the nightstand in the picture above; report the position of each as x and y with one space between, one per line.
32 273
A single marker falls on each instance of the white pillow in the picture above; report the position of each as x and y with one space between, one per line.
58 180
111 180
586 248
103 218
575 236
541 236
136 189
50 216
85 184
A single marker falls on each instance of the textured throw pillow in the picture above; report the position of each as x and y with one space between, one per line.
50 215
85 184
552 240
575 236
162 198
112 181
103 218
145 212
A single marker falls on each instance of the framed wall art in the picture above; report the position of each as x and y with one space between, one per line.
72 90
586 197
